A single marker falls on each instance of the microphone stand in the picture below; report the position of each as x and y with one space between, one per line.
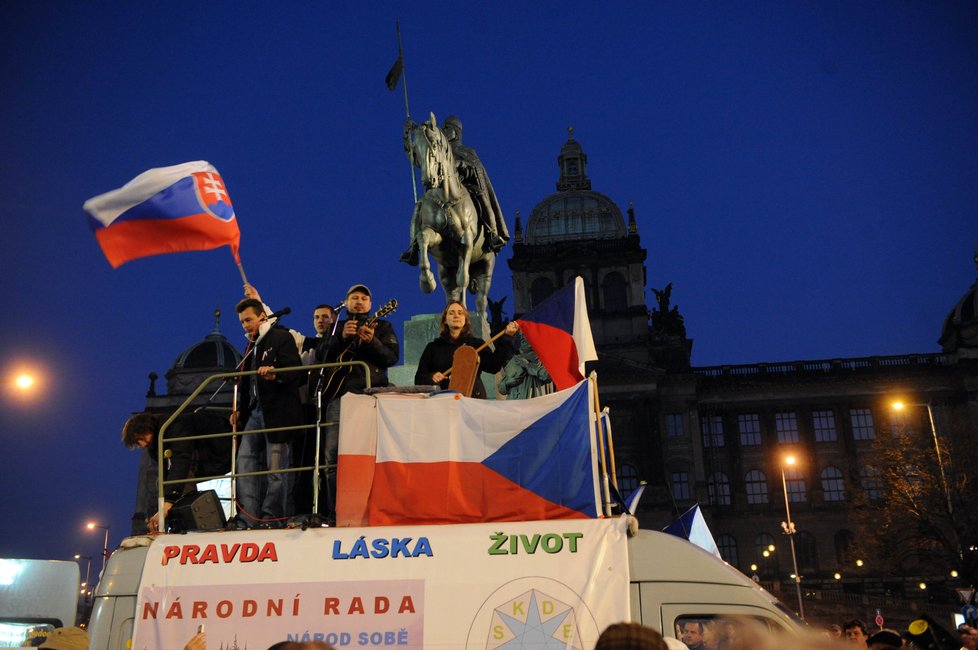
314 519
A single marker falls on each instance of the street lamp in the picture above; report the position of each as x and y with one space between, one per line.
88 571
899 406
789 530
105 546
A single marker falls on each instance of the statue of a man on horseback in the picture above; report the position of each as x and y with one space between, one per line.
473 175
457 219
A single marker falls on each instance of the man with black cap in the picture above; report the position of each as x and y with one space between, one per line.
361 338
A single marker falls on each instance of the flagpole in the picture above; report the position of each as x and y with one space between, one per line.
407 110
606 496
244 278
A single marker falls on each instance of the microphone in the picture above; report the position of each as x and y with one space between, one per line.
340 306
284 311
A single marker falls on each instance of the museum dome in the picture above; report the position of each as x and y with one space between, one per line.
960 331
213 352
575 211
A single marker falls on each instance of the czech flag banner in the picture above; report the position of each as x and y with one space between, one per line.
449 459
559 332
165 210
692 526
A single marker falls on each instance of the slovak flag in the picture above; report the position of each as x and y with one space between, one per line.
559 332
451 459
165 210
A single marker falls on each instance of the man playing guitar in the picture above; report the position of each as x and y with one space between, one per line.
360 339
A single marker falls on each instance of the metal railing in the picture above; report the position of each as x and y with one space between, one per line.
225 376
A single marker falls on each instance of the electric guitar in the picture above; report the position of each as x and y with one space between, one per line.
337 378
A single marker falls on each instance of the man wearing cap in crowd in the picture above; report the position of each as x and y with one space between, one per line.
358 340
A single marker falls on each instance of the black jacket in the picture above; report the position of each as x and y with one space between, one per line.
379 355
279 397
438 356
190 458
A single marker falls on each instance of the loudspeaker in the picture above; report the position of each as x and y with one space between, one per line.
196 511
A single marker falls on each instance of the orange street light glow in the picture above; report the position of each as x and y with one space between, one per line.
24 381
790 460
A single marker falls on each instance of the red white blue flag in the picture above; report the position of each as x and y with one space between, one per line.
447 459
165 210
559 332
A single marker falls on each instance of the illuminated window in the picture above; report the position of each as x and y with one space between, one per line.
862 424
749 426
627 479
680 486
712 428
756 484
727 546
675 425
787 427
833 485
824 425
795 483
718 489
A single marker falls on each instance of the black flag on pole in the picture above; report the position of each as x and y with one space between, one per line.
395 74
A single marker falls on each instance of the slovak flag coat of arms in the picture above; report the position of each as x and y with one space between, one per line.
165 210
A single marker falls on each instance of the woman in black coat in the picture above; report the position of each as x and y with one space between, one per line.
456 331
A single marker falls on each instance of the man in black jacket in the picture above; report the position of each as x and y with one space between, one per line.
185 459
374 343
266 401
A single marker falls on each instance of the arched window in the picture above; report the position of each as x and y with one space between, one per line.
718 489
843 547
727 546
871 483
540 290
756 484
795 482
627 479
833 485
806 552
615 291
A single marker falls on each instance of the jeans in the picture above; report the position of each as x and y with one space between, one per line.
331 444
270 491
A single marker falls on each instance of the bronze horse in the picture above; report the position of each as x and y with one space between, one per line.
447 224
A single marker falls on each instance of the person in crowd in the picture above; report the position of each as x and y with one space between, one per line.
456 331
361 338
311 351
693 633
884 640
855 631
268 400
187 459
630 636
834 631
969 637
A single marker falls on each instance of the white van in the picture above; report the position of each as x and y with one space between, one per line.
449 586
36 596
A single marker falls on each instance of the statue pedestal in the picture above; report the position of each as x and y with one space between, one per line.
421 330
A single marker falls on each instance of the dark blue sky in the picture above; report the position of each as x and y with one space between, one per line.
804 173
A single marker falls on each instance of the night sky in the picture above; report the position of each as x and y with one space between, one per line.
803 172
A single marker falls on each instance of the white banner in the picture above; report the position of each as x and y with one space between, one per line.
459 586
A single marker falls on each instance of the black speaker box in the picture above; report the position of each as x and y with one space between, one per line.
196 511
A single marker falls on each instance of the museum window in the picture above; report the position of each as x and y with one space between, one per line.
675 425
806 552
540 290
795 483
765 555
756 484
615 291
833 485
712 428
749 426
787 427
824 424
718 489
862 424
872 485
727 545
844 540
627 479
680 486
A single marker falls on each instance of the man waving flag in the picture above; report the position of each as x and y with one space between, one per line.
165 210
559 332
